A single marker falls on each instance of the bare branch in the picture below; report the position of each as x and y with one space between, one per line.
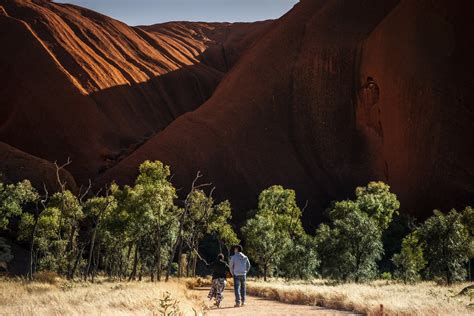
199 256
304 207
45 196
62 185
198 175
81 196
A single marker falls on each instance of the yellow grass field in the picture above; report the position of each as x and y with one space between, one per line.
55 296
425 298
101 298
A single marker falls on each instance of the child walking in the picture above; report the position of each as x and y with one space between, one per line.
219 272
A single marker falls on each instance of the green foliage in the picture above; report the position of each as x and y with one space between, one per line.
301 260
270 235
50 248
280 203
375 200
219 225
358 239
351 246
410 261
12 198
265 244
447 242
468 221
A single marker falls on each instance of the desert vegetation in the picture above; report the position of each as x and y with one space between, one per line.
145 232
52 295
125 232
373 298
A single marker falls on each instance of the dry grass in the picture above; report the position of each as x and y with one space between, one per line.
425 298
84 298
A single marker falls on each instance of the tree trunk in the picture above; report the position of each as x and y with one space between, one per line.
188 266
469 270
70 249
179 242
194 266
32 245
96 263
180 258
135 262
91 251
265 272
76 263
158 258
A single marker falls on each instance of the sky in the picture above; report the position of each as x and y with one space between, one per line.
145 12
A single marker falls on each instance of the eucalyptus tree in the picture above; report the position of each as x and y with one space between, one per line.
275 227
351 244
447 241
410 260
48 247
98 209
12 199
218 226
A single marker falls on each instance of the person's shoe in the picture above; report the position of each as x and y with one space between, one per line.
237 305
243 304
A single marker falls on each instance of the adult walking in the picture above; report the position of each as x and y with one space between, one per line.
239 267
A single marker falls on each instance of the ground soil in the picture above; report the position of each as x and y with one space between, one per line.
261 306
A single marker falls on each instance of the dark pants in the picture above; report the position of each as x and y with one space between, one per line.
239 288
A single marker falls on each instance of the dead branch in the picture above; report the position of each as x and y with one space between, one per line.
62 185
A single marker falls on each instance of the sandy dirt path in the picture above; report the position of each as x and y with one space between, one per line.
260 306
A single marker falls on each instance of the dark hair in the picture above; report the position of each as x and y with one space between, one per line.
238 247
220 256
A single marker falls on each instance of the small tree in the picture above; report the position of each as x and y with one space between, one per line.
301 260
220 227
350 248
71 215
48 245
276 224
410 261
361 241
12 198
266 245
446 240
155 198
98 209
468 221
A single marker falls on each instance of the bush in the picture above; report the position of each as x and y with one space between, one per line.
447 244
47 277
410 261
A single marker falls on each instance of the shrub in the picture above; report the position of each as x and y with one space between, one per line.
47 277
410 261
447 243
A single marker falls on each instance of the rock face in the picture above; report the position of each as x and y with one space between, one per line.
16 166
330 96
75 83
337 93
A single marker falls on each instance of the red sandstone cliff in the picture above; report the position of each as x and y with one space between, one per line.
332 95
337 93
75 83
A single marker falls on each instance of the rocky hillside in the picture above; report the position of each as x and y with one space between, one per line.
75 83
336 94
330 96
